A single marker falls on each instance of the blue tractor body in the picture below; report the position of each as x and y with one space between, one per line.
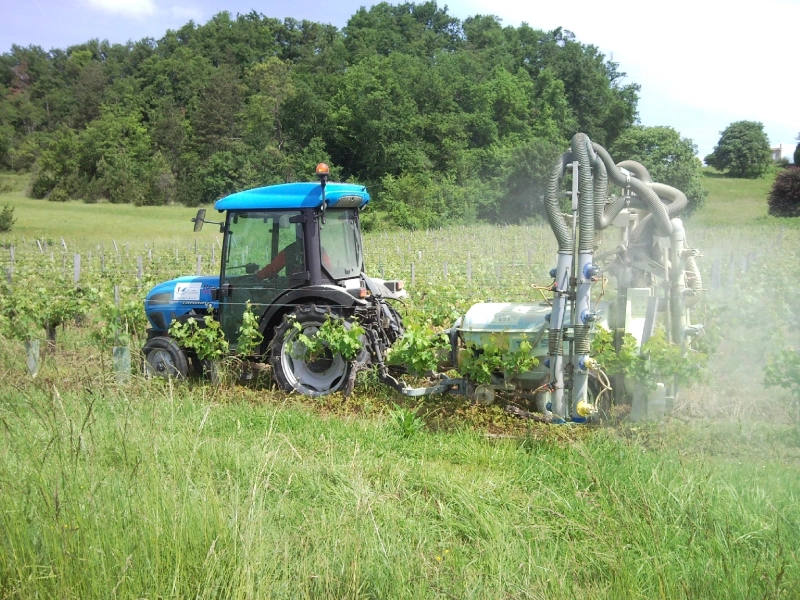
192 296
176 298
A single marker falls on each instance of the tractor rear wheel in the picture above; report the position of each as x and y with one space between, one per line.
293 369
164 358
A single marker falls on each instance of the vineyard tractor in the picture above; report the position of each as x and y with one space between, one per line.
294 252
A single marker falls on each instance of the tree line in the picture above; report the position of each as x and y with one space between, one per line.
444 120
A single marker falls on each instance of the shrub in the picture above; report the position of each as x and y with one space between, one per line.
784 199
58 194
7 219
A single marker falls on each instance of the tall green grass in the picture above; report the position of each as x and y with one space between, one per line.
171 491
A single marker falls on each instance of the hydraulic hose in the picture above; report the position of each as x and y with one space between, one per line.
677 202
604 215
637 169
640 188
580 150
600 181
566 243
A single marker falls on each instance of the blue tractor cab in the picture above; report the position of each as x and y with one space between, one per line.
293 252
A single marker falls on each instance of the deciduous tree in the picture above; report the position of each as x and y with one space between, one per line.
670 159
742 151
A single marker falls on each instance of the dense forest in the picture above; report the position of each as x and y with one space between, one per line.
443 120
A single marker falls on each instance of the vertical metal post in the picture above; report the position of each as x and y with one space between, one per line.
116 322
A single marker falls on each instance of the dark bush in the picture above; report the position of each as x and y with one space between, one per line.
784 199
59 194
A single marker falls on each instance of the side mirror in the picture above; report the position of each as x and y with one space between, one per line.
199 219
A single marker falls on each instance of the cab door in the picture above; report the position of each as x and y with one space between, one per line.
261 253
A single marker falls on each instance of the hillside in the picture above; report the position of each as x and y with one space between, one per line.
404 97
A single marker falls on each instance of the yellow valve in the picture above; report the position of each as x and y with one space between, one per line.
584 408
590 363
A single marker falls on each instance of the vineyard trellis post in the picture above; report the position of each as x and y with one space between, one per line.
731 274
120 355
716 267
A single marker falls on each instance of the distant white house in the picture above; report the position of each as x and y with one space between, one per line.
782 151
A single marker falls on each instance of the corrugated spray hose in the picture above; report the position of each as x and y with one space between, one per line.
677 202
552 208
640 188
580 150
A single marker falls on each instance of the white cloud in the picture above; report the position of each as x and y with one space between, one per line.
127 8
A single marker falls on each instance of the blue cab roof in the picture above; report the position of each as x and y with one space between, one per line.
295 196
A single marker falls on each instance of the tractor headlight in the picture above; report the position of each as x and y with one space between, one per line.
160 299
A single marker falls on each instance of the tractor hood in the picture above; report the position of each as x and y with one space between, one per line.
177 297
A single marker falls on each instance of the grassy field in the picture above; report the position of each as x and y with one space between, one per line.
731 202
736 202
89 224
154 490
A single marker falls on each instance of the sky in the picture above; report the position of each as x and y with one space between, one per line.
702 64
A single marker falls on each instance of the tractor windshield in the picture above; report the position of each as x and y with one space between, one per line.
340 239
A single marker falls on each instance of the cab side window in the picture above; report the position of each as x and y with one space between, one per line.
258 239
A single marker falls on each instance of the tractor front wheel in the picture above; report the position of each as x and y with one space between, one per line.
164 358
293 368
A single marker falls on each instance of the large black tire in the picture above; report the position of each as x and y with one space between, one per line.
294 372
164 358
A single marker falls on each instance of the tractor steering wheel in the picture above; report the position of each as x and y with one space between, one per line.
249 268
